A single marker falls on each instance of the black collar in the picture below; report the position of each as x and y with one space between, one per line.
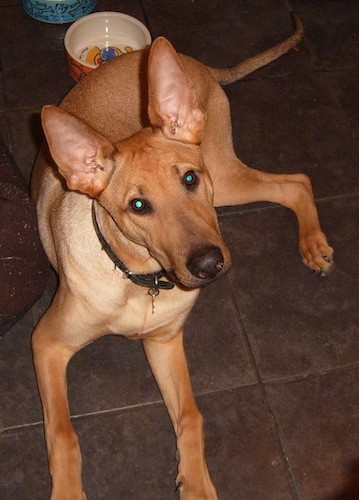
151 280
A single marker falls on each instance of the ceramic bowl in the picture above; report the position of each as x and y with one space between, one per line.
58 11
99 37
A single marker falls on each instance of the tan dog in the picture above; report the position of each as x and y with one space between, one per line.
144 186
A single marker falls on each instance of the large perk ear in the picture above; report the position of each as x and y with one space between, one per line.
172 101
84 157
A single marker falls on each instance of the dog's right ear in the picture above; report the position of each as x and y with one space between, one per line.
84 157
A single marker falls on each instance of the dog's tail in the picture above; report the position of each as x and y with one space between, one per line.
225 76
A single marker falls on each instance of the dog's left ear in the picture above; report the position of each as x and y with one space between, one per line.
172 101
83 156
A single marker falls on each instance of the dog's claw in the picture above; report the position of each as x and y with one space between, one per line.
179 484
322 273
328 259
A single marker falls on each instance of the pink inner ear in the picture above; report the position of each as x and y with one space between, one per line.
84 157
173 103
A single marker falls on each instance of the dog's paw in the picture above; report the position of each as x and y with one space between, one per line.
316 253
197 489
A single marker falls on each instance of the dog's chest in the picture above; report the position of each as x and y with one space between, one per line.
127 309
142 314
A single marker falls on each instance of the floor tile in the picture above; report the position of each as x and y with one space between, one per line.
20 75
129 455
4 131
345 84
297 323
214 334
133 8
24 473
6 3
1 88
36 74
242 449
226 33
26 136
44 302
20 403
318 418
293 124
331 30
30 31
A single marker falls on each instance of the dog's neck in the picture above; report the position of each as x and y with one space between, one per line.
115 245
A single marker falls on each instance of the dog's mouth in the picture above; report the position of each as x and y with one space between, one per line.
192 283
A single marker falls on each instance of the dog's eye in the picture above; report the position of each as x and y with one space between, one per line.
190 179
140 206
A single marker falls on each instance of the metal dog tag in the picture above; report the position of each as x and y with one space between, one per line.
153 292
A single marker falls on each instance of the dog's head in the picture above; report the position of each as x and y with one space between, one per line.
154 184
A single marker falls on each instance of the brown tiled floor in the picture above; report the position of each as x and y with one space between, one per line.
273 350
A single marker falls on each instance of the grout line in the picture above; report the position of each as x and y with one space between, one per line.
159 402
262 386
19 427
87 414
119 410
237 210
270 412
285 74
124 409
309 376
326 199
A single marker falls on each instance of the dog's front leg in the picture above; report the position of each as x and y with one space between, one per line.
238 184
51 357
168 363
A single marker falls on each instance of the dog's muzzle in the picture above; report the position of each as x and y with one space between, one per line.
206 262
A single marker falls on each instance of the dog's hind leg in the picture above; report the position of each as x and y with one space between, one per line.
169 366
237 184
51 354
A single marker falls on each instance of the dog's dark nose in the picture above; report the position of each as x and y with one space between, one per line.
206 262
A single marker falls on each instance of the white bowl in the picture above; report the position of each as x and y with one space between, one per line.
96 38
